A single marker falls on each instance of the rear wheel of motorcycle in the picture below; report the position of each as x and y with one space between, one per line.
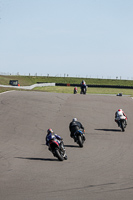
58 155
84 90
122 126
80 141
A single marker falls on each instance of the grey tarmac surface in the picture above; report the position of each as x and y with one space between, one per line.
101 170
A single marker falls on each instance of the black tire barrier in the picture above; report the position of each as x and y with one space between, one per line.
96 86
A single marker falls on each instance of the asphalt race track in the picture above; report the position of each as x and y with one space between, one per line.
101 170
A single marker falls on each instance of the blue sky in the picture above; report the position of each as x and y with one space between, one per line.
79 38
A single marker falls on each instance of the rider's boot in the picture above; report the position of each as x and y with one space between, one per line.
65 156
74 139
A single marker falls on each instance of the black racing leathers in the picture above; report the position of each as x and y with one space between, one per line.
74 126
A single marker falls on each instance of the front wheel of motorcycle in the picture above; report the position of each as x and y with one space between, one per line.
58 155
80 141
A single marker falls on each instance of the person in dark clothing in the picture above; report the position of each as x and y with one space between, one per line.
83 87
74 126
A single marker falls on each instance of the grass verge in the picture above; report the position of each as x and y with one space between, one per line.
69 90
61 89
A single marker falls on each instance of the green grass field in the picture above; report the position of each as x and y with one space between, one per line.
29 80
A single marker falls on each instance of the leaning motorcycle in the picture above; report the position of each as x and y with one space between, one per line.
79 137
58 150
75 90
122 123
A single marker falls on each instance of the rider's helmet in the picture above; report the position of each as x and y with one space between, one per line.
50 131
50 135
120 112
74 119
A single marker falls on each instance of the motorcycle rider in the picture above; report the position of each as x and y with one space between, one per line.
75 90
51 134
83 85
119 113
74 126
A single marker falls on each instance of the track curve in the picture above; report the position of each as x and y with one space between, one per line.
102 169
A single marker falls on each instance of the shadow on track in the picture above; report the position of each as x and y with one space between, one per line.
72 146
112 130
41 159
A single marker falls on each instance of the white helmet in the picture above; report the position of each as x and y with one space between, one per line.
120 112
74 119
